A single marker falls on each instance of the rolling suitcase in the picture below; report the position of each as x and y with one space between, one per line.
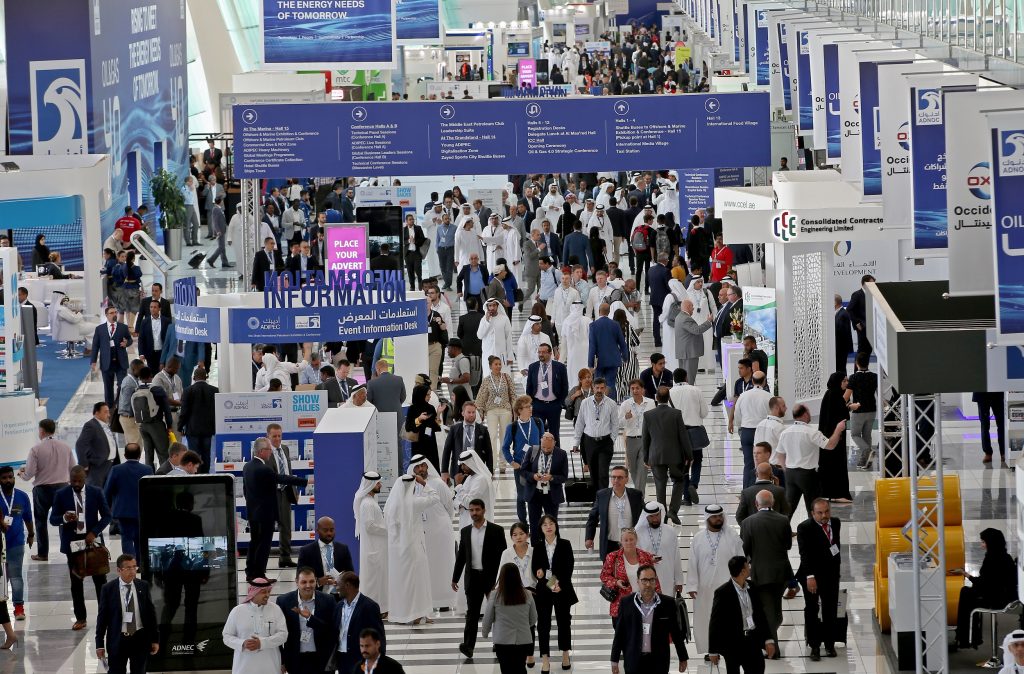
578 490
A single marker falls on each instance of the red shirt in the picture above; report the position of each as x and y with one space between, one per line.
721 263
129 225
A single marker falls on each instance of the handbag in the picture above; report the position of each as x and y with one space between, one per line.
94 560
609 594
517 294
683 616
698 436
412 436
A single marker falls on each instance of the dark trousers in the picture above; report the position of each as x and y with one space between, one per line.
992 404
475 592
802 482
662 473
414 268
643 265
131 652
842 361
97 475
221 252
110 377
546 601
512 657
770 595
656 324
129 535
691 477
863 345
261 535
201 444
597 454
821 631
519 477
284 524
78 591
155 441
42 501
748 655
446 256
551 413
747 447
540 505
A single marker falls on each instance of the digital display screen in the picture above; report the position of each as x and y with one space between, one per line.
518 48
385 226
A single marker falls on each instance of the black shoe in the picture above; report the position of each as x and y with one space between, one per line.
830 652
674 517
227 266
815 655
687 503
287 563
466 651
692 492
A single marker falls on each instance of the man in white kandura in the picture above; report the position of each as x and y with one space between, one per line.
409 577
255 630
495 334
710 552
575 338
437 527
529 341
473 482
661 539
372 533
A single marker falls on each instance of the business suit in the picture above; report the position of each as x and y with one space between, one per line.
219 224
122 494
93 451
462 280
554 245
689 341
263 263
627 643
97 517
608 350
748 504
576 250
124 650
413 258
455 445
560 567
321 622
333 388
550 411
478 582
260 482
107 350
538 502
816 559
147 347
384 263
365 614
857 308
767 539
728 635
310 555
165 310
722 324
844 339
197 419
599 512
657 283
281 462
386 392
667 450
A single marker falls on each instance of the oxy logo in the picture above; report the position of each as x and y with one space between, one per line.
928 111
59 112
903 136
856 104
979 180
784 226
1011 152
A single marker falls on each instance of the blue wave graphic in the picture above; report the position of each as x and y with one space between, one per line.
872 177
417 20
1011 308
930 226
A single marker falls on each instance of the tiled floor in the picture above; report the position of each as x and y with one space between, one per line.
49 646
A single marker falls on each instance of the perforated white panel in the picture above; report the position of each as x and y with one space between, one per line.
809 335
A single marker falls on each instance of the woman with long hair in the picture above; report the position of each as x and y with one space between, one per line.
620 568
512 614
521 436
553 565
40 252
422 425
578 393
995 586
833 466
459 198
127 288
521 554
630 369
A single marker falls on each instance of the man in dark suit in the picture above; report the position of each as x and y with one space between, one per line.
546 472
197 419
462 280
260 482
600 514
480 578
175 451
667 450
748 497
608 350
122 494
153 321
126 627
212 154
326 557
412 241
633 629
547 382
820 559
857 309
309 616
385 261
469 322
81 513
767 538
219 223
303 264
354 613
110 342
287 495
266 260
483 213
552 242
738 629
721 327
157 295
657 283
96 447
844 335
456 442
329 382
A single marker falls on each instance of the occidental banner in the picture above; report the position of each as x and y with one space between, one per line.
1008 220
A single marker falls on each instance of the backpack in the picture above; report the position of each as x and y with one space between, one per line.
144 406
662 242
639 239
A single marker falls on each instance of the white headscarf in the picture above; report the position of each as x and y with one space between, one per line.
366 485
431 471
529 324
1008 659
678 289
399 515
475 463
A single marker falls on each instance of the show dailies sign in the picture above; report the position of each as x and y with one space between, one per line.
327 34
1008 220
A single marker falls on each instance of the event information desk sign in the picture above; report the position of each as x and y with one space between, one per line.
503 136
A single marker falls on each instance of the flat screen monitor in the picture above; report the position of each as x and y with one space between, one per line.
385 226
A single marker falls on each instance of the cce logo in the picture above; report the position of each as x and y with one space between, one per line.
784 226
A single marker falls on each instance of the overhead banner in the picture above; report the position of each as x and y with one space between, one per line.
502 136
1008 220
757 43
193 323
327 34
870 140
969 184
850 155
805 225
418 21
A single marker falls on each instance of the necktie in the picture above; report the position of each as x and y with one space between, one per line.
129 607
828 531
468 444
111 330
329 554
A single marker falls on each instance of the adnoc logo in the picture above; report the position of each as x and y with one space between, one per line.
59 119
1011 152
784 226
928 111
805 42
979 180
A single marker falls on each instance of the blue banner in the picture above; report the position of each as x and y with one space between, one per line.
499 137
745 43
787 95
335 34
804 99
324 324
833 122
696 190
1008 217
418 21
870 140
640 13
761 45
928 168
193 323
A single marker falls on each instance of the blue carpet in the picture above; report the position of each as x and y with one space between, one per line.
61 378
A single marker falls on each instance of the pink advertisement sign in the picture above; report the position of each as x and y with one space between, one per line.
527 73
346 248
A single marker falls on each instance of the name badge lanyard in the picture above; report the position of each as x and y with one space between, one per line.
10 504
494 390
79 505
129 615
646 612
655 540
714 542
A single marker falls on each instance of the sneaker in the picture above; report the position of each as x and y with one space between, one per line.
19 611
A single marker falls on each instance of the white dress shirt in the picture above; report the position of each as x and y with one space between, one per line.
688 399
768 430
633 427
476 546
596 420
801 444
620 515
751 408
158 342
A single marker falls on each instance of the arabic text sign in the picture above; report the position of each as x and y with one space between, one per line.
332 323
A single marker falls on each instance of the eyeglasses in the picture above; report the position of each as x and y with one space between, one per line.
648 580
